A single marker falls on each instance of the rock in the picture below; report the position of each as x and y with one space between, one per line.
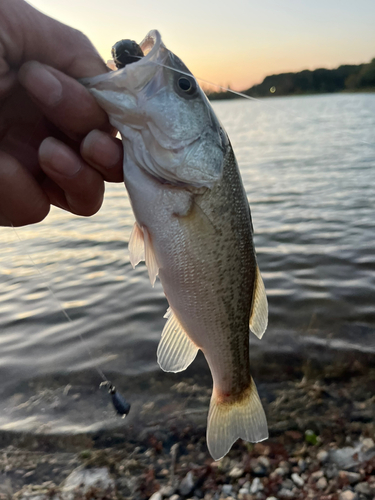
259 471
287 484
363 488
156 496
284 493
367 445
302 465
81 480
174 497
297 480
236 472
317 475
351 477
280 471
227 489
256 486
331 471
187 484
167 491
348 495
323 456
350 456
271 498
322 483
38 496
265 461
243 491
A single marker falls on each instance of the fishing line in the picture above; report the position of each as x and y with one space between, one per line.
226 89
121 406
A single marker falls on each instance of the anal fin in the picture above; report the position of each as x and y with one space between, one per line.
175 350
259 307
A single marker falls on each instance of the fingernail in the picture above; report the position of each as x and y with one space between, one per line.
101 149
59 158
41 83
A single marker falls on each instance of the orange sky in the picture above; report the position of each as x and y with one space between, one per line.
236 42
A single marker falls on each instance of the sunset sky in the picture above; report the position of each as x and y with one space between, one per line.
236 42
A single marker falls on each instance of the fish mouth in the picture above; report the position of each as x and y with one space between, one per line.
138 73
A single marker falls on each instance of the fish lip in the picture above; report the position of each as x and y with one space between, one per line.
152 43
153 39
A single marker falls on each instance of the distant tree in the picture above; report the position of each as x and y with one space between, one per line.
345 77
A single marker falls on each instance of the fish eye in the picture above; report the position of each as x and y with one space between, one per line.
187 85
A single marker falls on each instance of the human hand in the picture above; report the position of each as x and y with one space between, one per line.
44 116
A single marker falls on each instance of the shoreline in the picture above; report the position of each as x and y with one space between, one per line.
308 416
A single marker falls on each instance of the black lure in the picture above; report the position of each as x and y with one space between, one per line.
126 52
121 406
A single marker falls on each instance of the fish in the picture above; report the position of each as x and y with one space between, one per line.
193 229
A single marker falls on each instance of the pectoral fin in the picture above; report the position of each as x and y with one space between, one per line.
136 245
140 248
150 257
259 307
175 350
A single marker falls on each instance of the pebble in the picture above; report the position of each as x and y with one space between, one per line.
174 497
352 477
317 475
244 491
236 472
363 488
284 493
323 456
167 491
156 496
288 484
264 461
302 465
367 444
298 480
256 486
85 479
322 483
348 495
280 471
187 484
227 489
271 498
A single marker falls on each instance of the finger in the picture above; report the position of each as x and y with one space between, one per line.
104 153
64 101
22 201
83 186
27 34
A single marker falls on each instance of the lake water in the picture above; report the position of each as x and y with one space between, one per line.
308 166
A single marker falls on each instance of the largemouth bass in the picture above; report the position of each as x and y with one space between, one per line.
193 228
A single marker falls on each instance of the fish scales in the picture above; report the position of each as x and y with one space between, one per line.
193 228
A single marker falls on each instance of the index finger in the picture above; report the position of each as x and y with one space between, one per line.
64 101
27 34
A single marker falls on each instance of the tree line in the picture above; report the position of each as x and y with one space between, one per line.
348 77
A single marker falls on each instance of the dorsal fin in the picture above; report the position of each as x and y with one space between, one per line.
175 350
259 307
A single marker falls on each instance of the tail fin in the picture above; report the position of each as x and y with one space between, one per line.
241 418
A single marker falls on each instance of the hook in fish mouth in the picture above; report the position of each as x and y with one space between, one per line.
126 52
